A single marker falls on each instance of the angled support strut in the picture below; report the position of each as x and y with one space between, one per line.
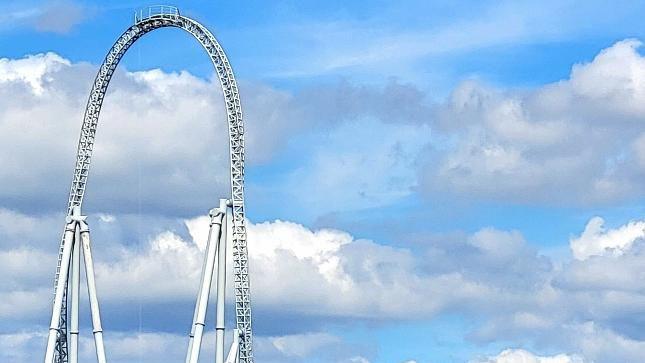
77 238
215 255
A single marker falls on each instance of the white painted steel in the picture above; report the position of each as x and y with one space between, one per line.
75 280
221 284
207 280
66 250
235 347
91 291
145 23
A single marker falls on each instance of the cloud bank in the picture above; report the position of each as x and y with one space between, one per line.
578 141
316 276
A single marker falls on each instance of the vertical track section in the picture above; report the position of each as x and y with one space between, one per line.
143 25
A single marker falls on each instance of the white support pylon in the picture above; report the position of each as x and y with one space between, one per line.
97 328
221 284
199 317
54 326
74 295
235 346
76 237
215 253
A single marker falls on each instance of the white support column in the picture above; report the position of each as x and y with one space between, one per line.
233 353
191 336
204 291
91 289
54 326
200 293
221 284
74 294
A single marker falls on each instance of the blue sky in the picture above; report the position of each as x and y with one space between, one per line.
427 181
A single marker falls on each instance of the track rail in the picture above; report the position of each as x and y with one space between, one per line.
145 23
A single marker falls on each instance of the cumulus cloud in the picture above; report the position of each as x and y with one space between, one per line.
592 343
32 70
163 135
303 270
523 356
325 273
596 240
592 302
579 140
315 276
154 347
571 141
522 146
480 143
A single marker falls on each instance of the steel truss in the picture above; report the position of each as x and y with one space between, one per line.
145 22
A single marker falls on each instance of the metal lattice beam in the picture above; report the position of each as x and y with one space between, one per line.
145 23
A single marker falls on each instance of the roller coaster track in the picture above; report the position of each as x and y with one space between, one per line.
155 18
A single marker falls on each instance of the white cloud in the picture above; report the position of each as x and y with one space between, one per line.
573 141
597 241
309 272
481 143
162 135
576 141
22 347
523 356
615 76
32 70
157 347
302 269
18 229
318 275
163 138
604 345
168 267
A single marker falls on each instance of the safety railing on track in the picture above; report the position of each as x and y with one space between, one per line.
157 11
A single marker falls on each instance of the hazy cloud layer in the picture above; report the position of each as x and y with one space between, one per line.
51 16
60 16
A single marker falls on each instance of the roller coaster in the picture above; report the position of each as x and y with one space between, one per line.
228 218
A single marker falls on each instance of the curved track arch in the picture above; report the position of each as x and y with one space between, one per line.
216 53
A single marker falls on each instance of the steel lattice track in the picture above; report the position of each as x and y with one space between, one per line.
236 142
